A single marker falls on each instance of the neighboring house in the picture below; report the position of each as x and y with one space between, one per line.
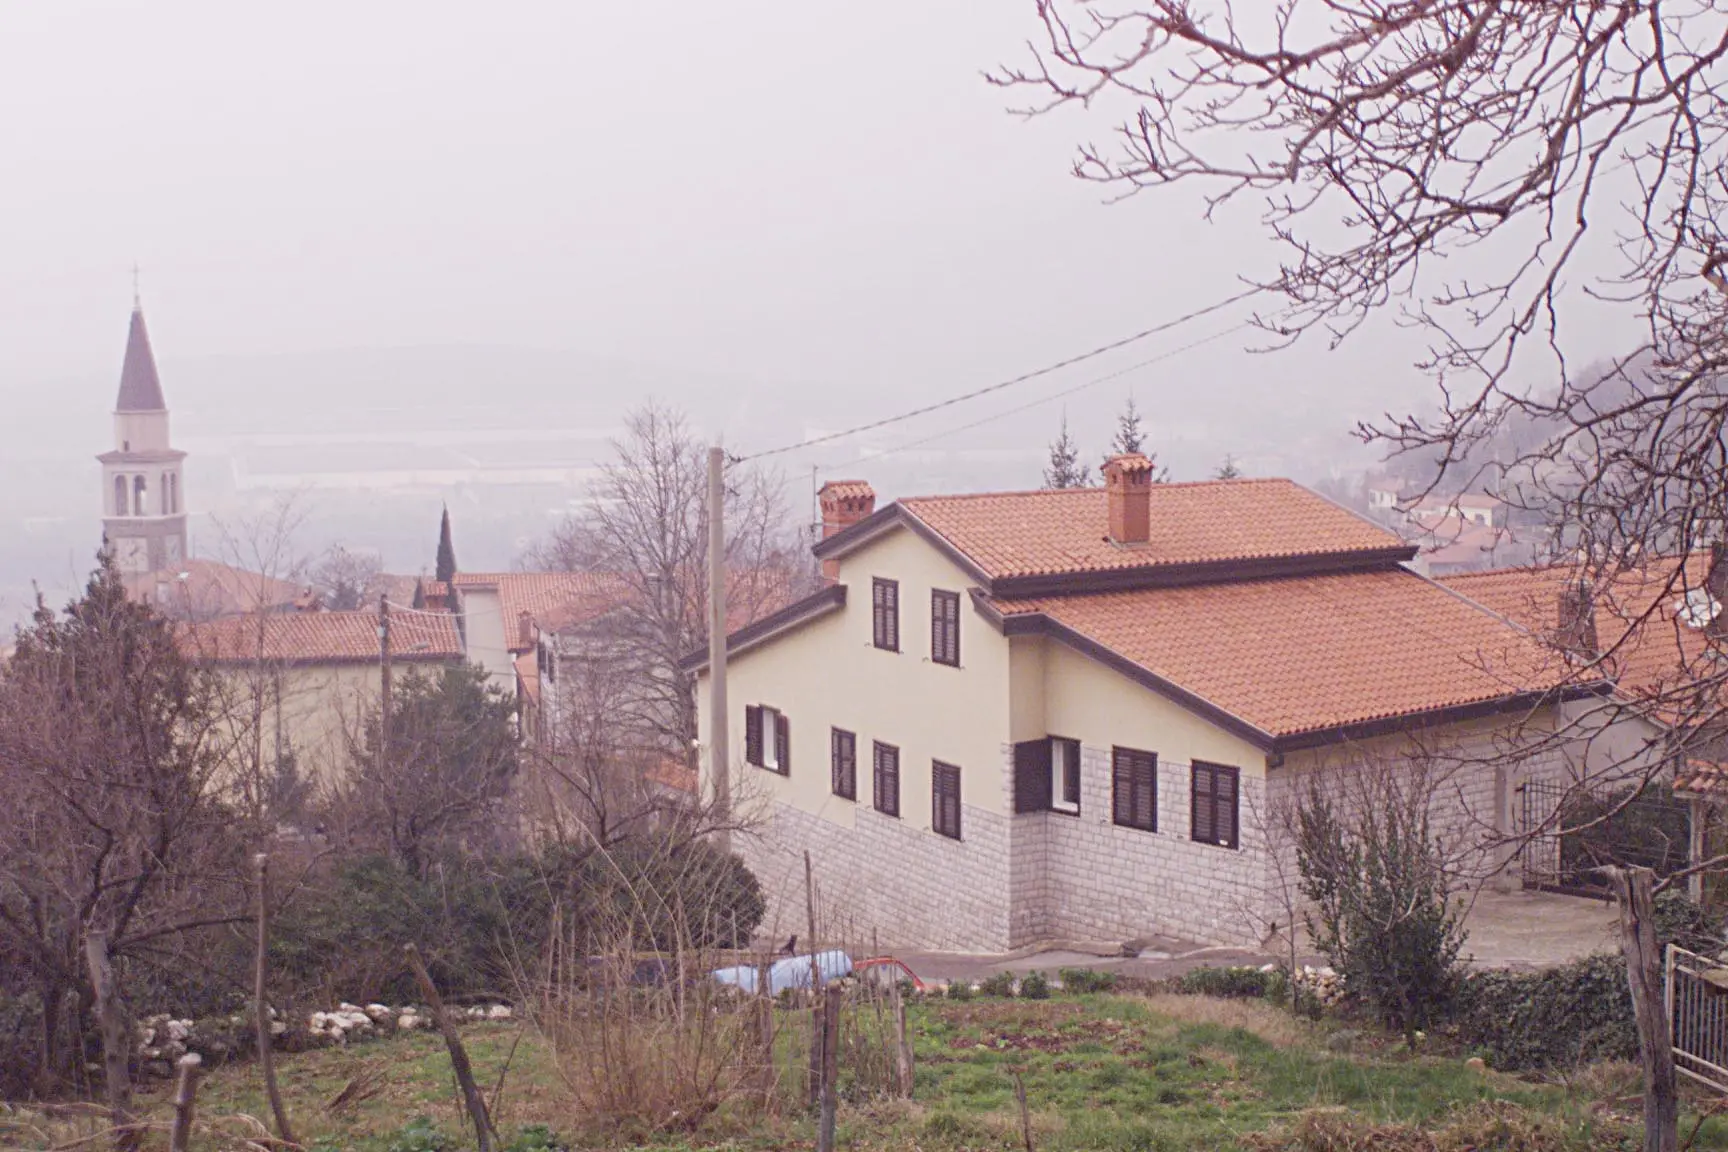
1454 544
1384 493
1658 632
299 683
498 610
1034 716
209 590
1472 508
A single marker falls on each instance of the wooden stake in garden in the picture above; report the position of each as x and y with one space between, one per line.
185 1099
458 1054
1635 889
261 1001
1025 1112
831 998
904 1071
815 1077
116 1058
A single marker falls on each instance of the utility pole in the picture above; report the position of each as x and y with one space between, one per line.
383 682
719 746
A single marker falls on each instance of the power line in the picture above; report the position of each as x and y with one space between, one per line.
1094 382
1068 362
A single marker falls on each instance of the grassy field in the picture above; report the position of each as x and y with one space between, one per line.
1100 1072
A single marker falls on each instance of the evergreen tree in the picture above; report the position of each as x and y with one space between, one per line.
1228 470
1131 439
1065 469
446 551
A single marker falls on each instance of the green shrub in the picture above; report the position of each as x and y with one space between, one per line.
1080 981
1034 986
997 984
1380 897
1228 983
1559 1018
420 1135
960 990
1690 925
536 1138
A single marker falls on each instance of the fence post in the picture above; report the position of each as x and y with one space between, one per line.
1635 888
185 1098
904 1071
815 1076
261 1002
831 998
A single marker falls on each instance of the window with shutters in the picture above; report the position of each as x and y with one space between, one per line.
1064 775
885 782
1134 788
767 739
945 799
945 627
843 747
1215 804
885 613
1031 776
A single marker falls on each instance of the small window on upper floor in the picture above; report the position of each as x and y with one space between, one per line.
945 627
767 739
885 614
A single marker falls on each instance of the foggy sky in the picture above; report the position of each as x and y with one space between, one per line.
824 196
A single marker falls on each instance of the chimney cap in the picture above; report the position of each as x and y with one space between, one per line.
1127 464
847 490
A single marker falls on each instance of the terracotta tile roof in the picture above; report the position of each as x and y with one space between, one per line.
1017 534
1310 654
1702 778
536 593
848 489
320 638
1648 644
206 589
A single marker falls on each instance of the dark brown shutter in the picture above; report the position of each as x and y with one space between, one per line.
844 770
1032 776
945 799
1134 789
945 627
879 613
783 744
887 779
753 734
1217 792
891 614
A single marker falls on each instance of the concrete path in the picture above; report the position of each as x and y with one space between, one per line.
1512 930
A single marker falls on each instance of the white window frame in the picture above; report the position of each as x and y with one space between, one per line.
769 718
1061 746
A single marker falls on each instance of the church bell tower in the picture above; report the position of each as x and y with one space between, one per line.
144 516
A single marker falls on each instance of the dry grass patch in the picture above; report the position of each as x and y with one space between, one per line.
1274 1025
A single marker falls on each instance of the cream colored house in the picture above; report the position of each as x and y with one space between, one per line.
300 683
1022 717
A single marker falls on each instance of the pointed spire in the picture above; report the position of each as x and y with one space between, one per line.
140 387
446 570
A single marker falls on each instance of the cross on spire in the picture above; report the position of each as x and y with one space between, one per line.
137 299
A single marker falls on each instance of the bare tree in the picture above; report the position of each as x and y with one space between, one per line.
343 578
110 820
1484 171
646 529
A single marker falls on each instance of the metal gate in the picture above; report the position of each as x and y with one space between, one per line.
1696 993
1651 829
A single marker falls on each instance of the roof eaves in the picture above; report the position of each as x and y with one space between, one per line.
1527 702
794 615
1093 580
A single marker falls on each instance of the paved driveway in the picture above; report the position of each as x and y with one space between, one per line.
1514 930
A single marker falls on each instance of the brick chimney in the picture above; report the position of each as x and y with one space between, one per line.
1576 632
1128 481
844 503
